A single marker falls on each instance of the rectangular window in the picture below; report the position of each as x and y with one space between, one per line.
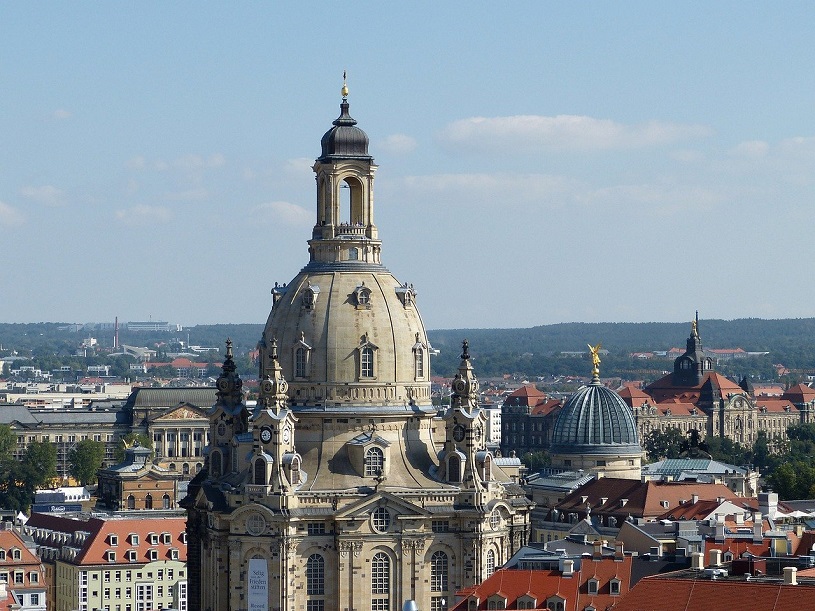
33 578
440 526
316 528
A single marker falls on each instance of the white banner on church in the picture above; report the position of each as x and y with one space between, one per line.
258 578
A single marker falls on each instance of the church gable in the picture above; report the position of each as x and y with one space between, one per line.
364 508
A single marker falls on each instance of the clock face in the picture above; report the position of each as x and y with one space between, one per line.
458 432
460 386
286 435
265 434
268 387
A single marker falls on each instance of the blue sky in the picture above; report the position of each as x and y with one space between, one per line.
539 162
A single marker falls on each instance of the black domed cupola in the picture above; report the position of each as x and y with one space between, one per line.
345 139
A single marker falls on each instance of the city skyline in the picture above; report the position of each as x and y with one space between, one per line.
632 162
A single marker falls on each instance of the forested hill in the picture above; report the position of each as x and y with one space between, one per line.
533 351
789 341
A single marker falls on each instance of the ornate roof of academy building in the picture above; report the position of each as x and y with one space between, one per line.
593 419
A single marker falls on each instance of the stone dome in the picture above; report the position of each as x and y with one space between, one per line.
319 311
345 139
595 420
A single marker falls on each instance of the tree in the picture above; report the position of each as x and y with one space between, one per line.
40 462
761 451
142 439
536 461
8 441
663 444
86 459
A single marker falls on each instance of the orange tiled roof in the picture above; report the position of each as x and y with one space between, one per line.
671 594
800 393
94 551
775 404
525 395
546 407
542 584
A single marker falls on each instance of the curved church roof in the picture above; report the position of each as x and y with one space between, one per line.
593 419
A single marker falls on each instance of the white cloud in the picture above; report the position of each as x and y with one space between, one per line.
658 199
398 144
62 114
751 149
486 188
562 132
190 195
142 215
509 191
299 167
197 162
137 163
45 194
283 212
10 217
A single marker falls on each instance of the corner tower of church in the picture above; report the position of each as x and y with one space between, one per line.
330 495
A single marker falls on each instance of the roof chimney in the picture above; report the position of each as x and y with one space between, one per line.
758 530
598 549
568 567
790 576
619 550
697 561
715 557
694 498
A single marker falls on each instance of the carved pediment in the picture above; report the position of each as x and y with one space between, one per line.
182 411
398 506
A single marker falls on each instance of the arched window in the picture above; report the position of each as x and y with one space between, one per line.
216 464
300 363
490 562
374 461
165 501
438 572
148 501
315 575
454 469
381 520
260 472
295 471
419 360
366 362
487 468
131 502
185 468
380 582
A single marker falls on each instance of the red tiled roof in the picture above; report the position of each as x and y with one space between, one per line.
525 395
542 584
642 499
672 594
546 407
98 543
775 404
634 397
664 388
800 393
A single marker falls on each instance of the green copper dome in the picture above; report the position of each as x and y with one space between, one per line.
593 421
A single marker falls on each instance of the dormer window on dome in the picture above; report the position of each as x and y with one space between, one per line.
419 358
309 295
362 297
406 294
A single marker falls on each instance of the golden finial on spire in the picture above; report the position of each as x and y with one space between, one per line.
595 359
344 84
